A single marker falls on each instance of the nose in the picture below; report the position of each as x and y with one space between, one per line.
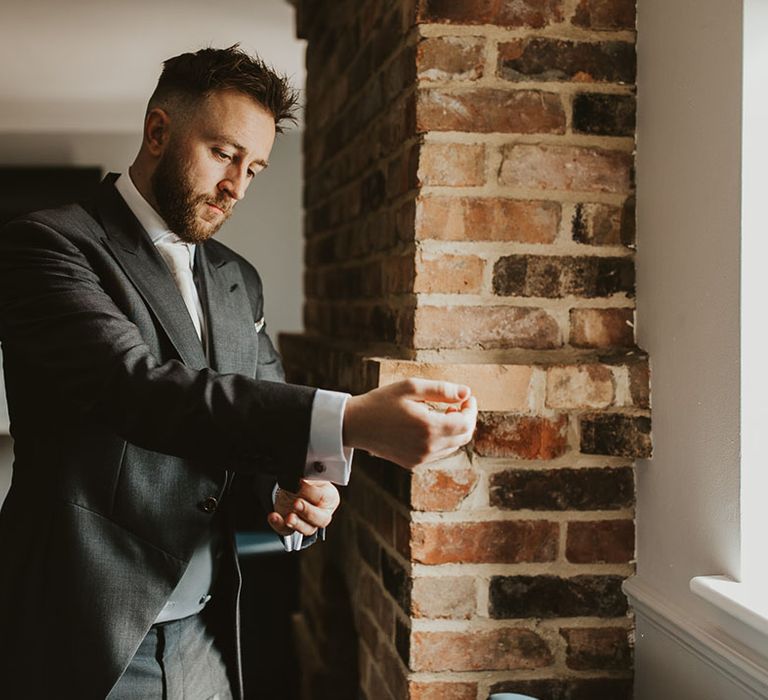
235 184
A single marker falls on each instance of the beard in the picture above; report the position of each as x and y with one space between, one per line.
180 205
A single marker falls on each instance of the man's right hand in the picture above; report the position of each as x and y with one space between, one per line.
395 421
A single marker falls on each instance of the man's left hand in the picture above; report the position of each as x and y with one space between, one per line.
306 511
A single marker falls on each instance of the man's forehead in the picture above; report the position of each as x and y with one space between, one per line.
237 120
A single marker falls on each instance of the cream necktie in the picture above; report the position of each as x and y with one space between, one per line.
178 256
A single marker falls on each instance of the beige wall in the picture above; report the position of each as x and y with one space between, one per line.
689 199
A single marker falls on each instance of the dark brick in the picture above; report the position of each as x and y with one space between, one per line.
616 434
604 115
640 384
373 191
570 688
563 489
403 640
602 648
605 14
395 480
600 542
604 224
396 580
522 13
554 277
368 547
550 596
558 60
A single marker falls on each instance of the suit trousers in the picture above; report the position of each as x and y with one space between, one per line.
177 660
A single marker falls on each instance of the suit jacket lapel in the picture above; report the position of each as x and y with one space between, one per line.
232 338
142 263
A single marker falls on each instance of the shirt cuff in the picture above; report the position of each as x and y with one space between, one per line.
327 458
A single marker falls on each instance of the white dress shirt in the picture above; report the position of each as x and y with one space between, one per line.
327 458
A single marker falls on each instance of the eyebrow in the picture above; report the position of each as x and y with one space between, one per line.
241 148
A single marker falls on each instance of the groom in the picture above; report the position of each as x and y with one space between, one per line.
146 398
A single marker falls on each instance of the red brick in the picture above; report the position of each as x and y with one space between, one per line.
568 168
450 58
521 437
602 328
441 690
543 59
451 165
507 542
439 490
460 274
503 649
451 597
484 327
602 541
579 386
525 13
601 648
605 14
403 535
491 219
497 387
487 110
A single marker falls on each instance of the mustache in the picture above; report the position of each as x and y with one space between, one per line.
226 205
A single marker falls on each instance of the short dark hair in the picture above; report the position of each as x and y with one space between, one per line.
191 77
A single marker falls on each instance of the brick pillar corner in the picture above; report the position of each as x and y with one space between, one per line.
469 198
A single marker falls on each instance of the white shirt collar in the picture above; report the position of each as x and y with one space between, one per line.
152 222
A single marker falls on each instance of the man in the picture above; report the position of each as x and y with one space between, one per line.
146 399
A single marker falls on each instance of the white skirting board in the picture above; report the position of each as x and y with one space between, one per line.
708 644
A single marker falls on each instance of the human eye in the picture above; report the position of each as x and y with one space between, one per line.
221 155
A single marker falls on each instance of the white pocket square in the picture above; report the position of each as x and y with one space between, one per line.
259 324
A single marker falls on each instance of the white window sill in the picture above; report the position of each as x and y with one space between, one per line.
748 604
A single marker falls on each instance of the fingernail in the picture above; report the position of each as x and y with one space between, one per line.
292 520
299 506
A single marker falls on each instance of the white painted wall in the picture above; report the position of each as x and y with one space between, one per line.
87 65
689 199
75 95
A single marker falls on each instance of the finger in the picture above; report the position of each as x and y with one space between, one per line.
434 390
322 494
311 514
453 424
277 523
300 525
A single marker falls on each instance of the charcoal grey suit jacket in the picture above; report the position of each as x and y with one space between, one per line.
127 439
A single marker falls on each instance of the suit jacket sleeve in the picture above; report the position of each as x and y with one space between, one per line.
56 313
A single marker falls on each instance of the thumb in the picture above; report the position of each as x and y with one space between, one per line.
438 391
277 523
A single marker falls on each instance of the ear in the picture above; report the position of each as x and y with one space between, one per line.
157 129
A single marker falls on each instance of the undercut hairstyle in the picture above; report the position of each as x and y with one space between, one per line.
189 78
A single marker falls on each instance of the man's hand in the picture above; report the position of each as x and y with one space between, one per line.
395 421
312 507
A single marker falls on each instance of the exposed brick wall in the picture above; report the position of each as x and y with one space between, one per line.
470 216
